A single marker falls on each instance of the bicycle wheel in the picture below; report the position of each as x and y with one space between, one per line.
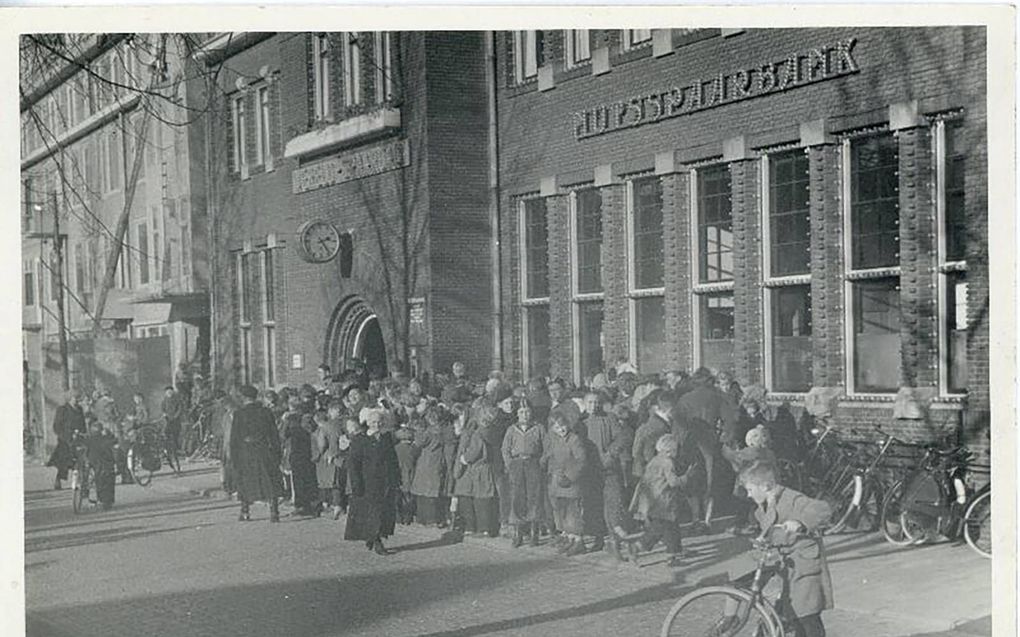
891 522
139 474
841 500
867 514
720 611
76 494
977 524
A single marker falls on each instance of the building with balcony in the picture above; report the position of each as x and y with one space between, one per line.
89 109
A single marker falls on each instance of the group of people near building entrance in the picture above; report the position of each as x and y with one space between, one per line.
620 464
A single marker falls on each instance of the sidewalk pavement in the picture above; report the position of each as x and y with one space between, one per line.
943 590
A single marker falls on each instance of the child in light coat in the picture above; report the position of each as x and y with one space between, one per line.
656 500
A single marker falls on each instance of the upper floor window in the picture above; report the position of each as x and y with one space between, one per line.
320 75
588 241
263 154
715 224
239 125
29 283
578 46
874 195
633 38
383 67
352 68
789 215
536 249
142 243
954 223
646 235
528 55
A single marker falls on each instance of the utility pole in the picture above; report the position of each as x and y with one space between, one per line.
58 252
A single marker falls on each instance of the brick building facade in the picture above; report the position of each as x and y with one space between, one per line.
805 208
376 141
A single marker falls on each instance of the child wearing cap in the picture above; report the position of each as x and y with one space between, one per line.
655 502
565 459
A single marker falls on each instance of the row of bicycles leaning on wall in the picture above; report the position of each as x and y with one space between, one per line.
913 493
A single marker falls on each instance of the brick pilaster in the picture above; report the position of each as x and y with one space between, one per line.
676 229
826 265
748 345
918 259
616 310
561 334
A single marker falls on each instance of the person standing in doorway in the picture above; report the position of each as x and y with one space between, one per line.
255 455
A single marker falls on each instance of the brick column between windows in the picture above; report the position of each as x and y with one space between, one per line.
918 260
826 265
676 237
747 311
561 334
616 309
511 266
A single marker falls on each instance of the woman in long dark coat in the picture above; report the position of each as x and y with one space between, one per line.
374 482
255 455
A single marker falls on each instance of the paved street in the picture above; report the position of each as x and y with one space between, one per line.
168 561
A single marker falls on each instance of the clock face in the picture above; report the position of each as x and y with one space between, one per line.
320 241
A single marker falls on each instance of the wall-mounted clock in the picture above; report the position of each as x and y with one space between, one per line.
318 241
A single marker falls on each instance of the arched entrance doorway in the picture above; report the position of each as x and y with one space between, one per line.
354 333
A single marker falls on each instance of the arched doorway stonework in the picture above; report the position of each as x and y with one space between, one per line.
354 332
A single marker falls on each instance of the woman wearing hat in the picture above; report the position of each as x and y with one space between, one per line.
374 482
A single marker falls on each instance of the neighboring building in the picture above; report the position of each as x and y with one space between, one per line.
80 130
806 208
349 204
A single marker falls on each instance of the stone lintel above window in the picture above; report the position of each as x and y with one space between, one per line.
357 129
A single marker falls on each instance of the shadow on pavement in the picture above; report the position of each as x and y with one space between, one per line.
86 538
448 538
977 628
123 513
323 606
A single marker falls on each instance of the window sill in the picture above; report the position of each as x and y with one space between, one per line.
346 133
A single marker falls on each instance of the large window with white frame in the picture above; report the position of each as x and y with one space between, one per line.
269 316
383 67
352 68
578 47
263 148
528 55
871 228
534 272
586 280
321 78
646 283
786 232
950 163
633 38
239 121
712 218
244 312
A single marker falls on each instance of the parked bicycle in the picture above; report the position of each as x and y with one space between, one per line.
857 501
83 477
148 448
934 501
735 610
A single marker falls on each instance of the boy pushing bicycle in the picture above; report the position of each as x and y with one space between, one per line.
807 584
